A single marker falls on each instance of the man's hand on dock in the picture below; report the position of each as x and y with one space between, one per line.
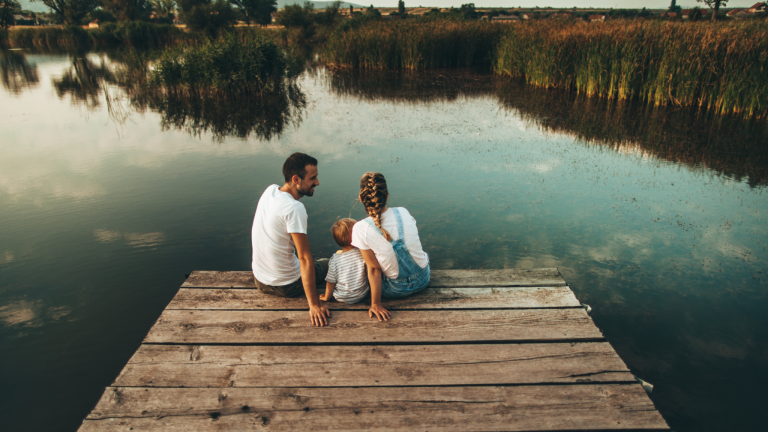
319 315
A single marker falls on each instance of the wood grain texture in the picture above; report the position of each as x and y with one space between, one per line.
519 408
430 298
398 365
496 278
440 278
239 327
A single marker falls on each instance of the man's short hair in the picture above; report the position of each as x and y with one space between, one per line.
296 164
342 231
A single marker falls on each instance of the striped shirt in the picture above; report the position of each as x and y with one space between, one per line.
347 271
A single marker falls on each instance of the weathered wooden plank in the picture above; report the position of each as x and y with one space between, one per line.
219 279
518 408
413 365
430 298
237 327
496 278
440 278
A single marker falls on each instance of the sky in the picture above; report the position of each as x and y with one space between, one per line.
616 4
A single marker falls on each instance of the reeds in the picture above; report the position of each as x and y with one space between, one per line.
225 67
721 68
412 44
129 34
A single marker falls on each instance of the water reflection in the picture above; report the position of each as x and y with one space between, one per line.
17 73
83 80
240 116
119 78
729 146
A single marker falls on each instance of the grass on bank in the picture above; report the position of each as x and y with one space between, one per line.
136 34
719 67
413 44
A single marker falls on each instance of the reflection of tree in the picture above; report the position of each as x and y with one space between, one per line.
264 116
83 81
730 146
17 74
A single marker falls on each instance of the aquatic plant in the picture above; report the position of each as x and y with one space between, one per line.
228 66
412 44
717 67
131 34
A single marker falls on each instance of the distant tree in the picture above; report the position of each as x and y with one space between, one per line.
102 16
206 15
7 10
164 8
71 11
297 16
468 11
673 7
714 5
401 7
330 14
259 11
128 10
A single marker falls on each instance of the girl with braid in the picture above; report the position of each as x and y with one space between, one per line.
389 242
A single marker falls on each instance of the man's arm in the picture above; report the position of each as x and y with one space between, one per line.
374 280
317 314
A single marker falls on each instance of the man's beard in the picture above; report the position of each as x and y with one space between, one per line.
307 192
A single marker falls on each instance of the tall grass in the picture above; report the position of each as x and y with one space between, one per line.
226 67
129 34
412 44
722 68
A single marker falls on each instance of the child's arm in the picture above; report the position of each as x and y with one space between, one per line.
329 287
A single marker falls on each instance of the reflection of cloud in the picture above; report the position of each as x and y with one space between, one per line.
545 167
20 312
6 257
106 236
133 239
145 240
58 312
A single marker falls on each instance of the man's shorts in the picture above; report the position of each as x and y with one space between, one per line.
296 289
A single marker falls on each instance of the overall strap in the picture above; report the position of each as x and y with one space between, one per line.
400 231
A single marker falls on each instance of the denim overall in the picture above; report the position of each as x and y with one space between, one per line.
410 277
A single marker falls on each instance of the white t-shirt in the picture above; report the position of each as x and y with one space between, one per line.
365 237
347 271
277 216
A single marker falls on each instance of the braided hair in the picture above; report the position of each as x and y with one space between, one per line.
373 194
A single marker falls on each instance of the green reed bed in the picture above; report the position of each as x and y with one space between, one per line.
226 67
722 68
131 34
412 44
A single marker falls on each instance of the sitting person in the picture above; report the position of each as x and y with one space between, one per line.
282 262
397 265
346 278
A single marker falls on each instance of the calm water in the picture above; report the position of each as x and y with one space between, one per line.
656 218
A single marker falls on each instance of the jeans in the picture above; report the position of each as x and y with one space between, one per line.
296 289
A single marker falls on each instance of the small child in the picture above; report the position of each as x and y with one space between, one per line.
347 278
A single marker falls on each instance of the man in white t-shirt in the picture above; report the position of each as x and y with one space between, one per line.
279 226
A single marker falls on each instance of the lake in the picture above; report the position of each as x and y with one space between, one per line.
656 217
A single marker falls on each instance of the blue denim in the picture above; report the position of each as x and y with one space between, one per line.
410 277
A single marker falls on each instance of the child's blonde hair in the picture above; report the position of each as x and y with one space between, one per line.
342 231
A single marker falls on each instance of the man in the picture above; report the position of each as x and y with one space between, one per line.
280 225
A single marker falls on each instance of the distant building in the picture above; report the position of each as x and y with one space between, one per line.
737 13
758 8
525 16
93 24
669 15
597 18
506 19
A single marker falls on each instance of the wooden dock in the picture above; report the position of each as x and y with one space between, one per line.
478 350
